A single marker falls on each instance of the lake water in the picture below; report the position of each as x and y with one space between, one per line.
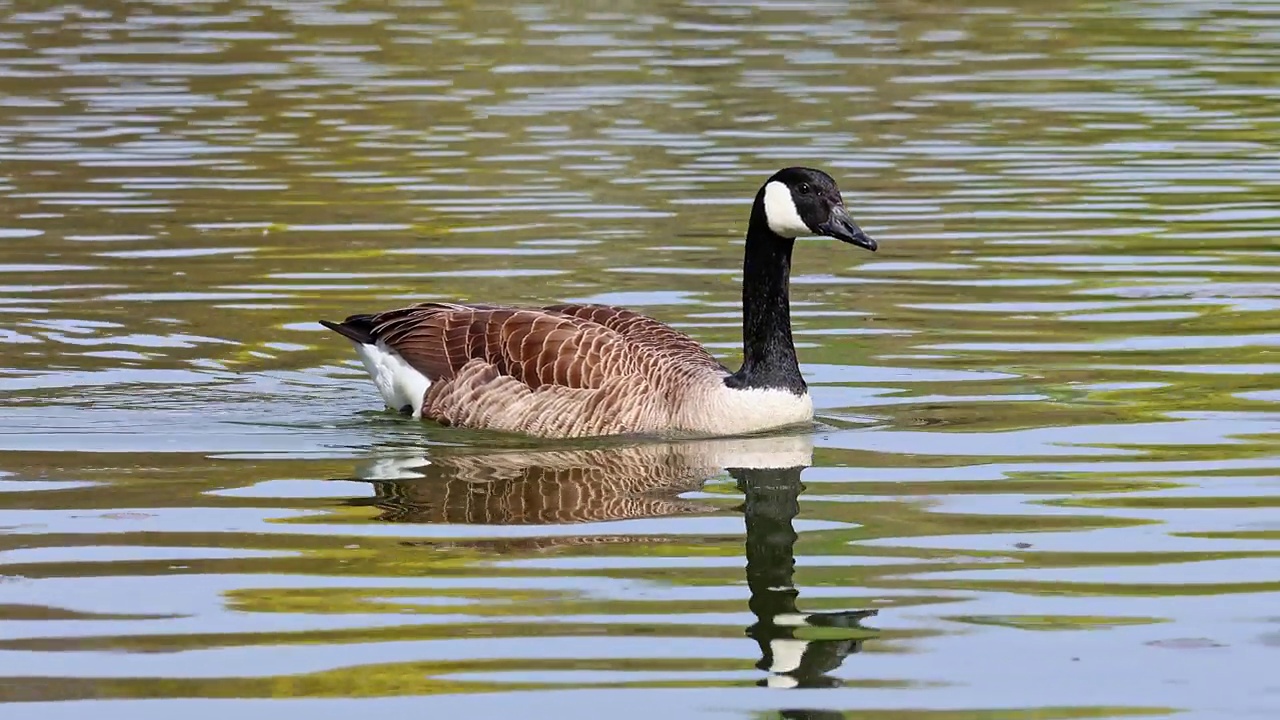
1045 478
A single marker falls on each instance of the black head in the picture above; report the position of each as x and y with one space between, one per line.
802 201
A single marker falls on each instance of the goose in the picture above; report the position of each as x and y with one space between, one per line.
581 370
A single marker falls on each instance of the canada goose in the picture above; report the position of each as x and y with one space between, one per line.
586 370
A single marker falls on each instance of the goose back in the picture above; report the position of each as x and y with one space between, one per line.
652 335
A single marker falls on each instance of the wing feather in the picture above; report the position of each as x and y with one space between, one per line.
644 331
535 346
559 370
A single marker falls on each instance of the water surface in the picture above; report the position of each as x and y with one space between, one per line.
1043 481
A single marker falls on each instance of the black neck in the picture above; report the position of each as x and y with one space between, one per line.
769 355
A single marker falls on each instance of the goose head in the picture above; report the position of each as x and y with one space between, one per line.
799 201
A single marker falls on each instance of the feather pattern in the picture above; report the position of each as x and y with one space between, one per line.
562 370
644 331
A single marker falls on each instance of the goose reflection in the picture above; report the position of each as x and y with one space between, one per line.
565 487
772 503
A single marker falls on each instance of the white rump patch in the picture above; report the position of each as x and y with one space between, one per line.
397 382
780 211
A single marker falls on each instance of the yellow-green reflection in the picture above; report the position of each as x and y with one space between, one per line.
1048 403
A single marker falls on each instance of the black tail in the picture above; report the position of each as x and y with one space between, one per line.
358 328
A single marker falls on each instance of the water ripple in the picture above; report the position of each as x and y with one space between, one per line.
1045 407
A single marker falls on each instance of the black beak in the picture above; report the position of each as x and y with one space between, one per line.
842 227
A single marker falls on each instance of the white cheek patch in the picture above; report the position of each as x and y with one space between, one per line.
780 211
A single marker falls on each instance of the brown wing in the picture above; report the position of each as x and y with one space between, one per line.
644 331
540 371
535 347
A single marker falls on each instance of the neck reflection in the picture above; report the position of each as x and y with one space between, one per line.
791 659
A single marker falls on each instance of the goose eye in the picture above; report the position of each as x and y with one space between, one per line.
804 188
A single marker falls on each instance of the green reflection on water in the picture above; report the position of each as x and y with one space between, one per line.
1048 402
